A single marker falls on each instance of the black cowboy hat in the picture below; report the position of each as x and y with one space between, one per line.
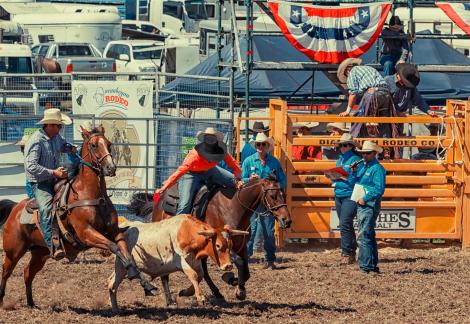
212 152
408 74
394 20
258 127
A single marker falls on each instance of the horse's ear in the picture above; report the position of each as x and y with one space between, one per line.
100 129
85 133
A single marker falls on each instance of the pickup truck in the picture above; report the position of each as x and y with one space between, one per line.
70 57
134 56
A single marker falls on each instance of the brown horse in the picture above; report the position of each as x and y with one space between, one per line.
91 220
236 213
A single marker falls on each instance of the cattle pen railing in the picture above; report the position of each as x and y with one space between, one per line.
424 199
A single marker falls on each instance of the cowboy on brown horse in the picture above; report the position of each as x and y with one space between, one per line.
81 207
200 167
42 170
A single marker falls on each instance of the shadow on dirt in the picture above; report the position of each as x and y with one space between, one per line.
402 260
425 271
249 308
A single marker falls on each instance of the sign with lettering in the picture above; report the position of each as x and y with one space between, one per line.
120 107
389 220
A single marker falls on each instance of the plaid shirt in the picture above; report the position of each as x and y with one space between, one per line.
42 156
362 77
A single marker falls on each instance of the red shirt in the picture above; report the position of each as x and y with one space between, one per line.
301 152
196 163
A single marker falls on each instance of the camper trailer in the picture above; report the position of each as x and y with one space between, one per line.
47 22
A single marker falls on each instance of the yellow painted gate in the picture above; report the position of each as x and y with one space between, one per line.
423 198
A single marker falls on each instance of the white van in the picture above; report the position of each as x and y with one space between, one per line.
17 59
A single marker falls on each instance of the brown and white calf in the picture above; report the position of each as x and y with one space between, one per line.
174 244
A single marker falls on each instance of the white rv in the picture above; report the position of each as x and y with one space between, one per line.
47 22
177 16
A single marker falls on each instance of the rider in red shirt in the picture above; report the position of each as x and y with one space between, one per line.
200 167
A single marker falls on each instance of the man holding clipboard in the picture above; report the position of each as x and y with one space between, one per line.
344 181
368 192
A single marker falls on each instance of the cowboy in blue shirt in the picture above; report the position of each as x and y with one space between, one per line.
372 178
248 149
345 207
261 165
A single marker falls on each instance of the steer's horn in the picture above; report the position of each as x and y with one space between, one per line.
207 233
238 232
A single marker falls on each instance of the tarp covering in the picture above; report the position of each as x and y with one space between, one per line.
265 84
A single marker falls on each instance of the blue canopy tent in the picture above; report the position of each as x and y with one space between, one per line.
435 87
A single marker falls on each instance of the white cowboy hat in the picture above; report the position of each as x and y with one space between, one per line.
23 140
54 116
341 126
346 138
210 131
369 146
306 124
262 138
341 74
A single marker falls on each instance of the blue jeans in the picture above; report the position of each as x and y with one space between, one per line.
346 210
44 194
368 254
266 223
388 62
190 183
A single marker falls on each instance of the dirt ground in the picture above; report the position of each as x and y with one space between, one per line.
426 285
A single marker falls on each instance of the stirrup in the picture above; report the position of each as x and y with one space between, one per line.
58 254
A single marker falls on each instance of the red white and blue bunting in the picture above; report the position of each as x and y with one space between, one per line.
459 13
330 34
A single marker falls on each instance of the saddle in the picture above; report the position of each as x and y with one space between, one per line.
60 210
61 189
201 199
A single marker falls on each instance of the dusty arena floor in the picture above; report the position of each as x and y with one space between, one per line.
416 286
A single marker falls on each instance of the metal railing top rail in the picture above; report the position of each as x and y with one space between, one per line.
325 118
202 77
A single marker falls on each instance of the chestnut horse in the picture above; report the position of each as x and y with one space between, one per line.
236 213
91 220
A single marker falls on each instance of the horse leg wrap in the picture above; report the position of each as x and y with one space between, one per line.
150 290
132 272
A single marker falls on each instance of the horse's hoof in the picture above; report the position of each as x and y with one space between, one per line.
240 294
188 292
230 279
132 273
172 305
151 292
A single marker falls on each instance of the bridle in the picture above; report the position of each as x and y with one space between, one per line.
269 209
95 164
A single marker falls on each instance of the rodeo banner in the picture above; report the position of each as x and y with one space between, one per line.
122 100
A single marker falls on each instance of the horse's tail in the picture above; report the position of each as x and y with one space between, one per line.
141 204
6 207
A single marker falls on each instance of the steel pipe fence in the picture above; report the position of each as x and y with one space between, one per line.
151 158
174 95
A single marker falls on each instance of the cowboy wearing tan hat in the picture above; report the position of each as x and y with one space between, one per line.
260 165
366 82
345 207
371 181
42 169
200 166
247 150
